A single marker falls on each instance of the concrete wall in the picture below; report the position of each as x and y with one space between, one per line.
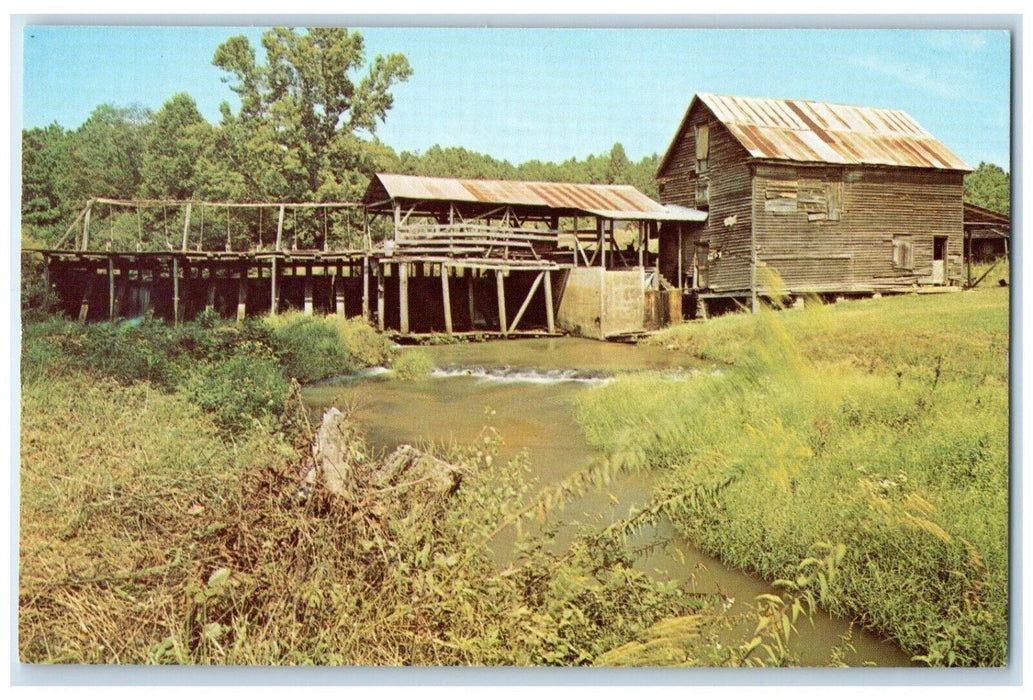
598 303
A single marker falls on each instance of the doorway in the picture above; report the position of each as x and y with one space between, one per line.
939 259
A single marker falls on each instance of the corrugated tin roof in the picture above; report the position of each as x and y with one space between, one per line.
609 201
819 132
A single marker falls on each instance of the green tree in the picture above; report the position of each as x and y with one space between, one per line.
43 171
105 154
618 168
178 139
989 186
306 102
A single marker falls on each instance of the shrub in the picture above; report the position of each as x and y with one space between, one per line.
410 365
247 388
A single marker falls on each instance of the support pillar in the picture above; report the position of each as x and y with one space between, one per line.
403 297
365 287
84 307
500 286
274 292
242 280
175 291
210 303
309 305
111 289
380 296
469 296
550 316
446 299
338 285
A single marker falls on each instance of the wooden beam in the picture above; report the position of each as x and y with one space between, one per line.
681 256
338 286
86 227
527 301
380 296
279 233
550 318
175 291
273 290
365 287
469 296
500 286
242 280
403 297
111 289
186 226
446 299
84 307
309 304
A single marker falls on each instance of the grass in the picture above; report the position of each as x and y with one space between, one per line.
881 425
412 364
153 533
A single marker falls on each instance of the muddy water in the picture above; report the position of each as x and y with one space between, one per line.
526 389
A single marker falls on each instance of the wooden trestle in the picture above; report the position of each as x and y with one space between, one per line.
410 295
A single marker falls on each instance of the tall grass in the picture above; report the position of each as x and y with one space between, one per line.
881 425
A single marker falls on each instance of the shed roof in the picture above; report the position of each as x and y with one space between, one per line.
820 132
607 201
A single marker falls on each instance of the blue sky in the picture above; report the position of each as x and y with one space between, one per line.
551 94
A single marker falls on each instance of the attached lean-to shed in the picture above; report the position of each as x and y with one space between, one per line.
808 198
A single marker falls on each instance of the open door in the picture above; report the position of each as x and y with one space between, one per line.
939 259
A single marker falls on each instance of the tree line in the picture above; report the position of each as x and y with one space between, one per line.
305 131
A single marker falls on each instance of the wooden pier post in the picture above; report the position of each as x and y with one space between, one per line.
549 313
273 291
380 296
309 304
175 288
500 286
210 302
242 281
111 289
338 286
86 226
403 297
469 296
446 299
84 307
365 288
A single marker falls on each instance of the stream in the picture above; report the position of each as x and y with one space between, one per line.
526 389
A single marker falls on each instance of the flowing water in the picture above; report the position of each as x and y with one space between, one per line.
526 389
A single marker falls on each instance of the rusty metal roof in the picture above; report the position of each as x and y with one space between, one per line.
819 132
608 201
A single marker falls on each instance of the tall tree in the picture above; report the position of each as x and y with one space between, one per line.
178 138
43 172
619 167
105 154
989 186
307 101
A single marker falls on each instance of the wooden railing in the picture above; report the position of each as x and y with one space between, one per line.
473 240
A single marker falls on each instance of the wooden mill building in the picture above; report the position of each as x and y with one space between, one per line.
808 198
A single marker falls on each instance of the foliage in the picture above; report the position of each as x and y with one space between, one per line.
247 388
412 364
892 440
178 138
305 102
989 186
317 347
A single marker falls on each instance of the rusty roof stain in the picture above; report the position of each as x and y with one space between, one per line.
805 131
610 201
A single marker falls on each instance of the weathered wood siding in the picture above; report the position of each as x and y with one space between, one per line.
830 229
727 230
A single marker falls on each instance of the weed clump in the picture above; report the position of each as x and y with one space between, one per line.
412 364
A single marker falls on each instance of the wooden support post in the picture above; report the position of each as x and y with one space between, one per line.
309 305
338 285
403 297
681 257
86 226
577 242
123 287
242 281
365 287
175 291
550 315
380 296
527 301
84 307
641 244
186 226
500 286
273 290
602 241
446 298
469 296
111 289
210 303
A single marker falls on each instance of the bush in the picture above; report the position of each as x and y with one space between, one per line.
413 364
317 347
246 389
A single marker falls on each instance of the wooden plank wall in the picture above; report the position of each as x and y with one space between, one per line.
832 229
728 228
